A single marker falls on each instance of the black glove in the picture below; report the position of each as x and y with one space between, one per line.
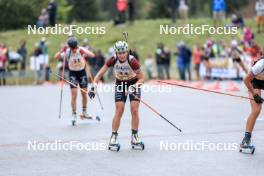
133 88
258 99
91 93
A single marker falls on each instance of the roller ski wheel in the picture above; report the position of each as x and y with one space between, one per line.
115 147
247 149
74 119
98 118
140 146
246 146
113 143
73 122
136 143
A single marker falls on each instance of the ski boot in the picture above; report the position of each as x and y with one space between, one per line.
74 119
89 117
246 147
135 142
85 115
113 144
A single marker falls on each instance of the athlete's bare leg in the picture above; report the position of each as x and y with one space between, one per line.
120 106
255 111
73 99
134 106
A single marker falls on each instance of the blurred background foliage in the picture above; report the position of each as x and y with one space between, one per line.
18 14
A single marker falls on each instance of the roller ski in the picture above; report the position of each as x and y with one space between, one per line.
74 119
136 143
246 147
86 116
113 144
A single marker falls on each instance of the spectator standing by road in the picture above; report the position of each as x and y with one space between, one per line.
219 11
260 15
23 53
52 8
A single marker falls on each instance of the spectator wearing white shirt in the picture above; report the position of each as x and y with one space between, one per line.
183 10
150 66
260 15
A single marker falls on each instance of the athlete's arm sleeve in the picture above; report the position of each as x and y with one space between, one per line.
258 67
135 65
110 62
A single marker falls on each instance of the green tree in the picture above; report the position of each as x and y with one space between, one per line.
63 10
159 9
16 13
108 8
83 10
234 5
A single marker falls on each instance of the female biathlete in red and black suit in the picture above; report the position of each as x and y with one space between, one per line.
129 78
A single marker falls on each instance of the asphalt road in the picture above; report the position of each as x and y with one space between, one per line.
212 127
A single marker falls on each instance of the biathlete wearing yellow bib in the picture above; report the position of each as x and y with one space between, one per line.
76 62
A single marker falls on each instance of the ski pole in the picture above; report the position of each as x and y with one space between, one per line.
67 81
62 84
155 111
205 90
